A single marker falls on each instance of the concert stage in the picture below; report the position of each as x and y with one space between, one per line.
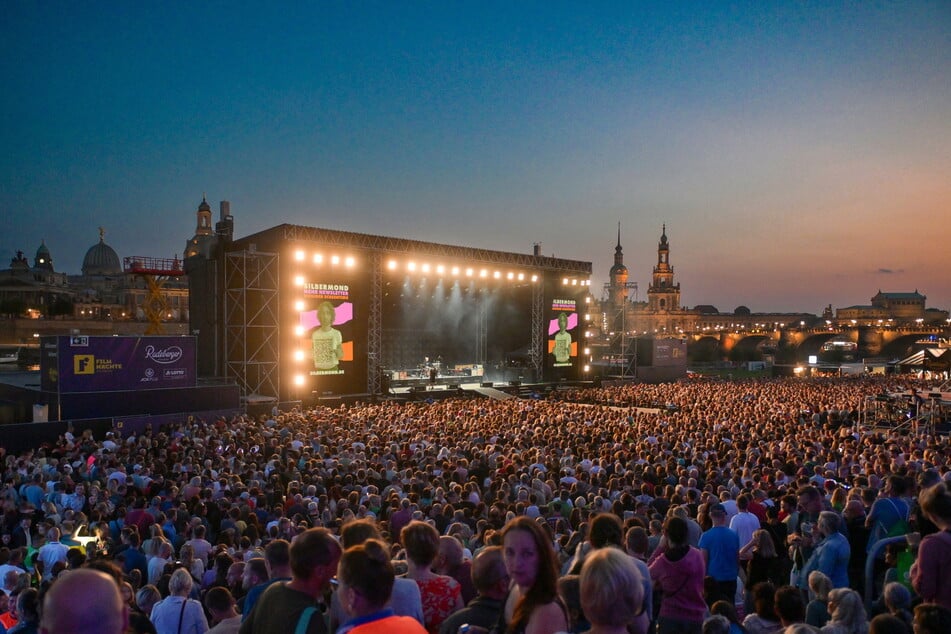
294 312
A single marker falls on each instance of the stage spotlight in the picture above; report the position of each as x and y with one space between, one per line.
298 280
350 261
391 265
455 270
299 330
469 272
564 281
335 259
574 282
300 379
425 268
318 258
497 275
299 305
299 355
440 269
483 273
521 277
534 278
299 256
510 276
410 266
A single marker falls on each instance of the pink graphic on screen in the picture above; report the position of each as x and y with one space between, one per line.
572 322
342 314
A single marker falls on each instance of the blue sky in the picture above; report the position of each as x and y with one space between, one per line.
799 153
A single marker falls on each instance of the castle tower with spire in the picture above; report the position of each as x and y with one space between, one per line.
663 295
618 274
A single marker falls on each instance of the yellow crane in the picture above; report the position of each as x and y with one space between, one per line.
154 271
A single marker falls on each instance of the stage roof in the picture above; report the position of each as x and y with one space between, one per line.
384 244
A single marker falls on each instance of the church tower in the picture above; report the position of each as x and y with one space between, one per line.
618 274
663 295
203 232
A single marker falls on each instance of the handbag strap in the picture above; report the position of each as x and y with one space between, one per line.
181 615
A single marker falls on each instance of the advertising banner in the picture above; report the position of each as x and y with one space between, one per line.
669 352
98 364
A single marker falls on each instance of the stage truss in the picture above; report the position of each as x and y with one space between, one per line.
252 315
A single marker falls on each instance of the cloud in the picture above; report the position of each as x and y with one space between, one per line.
889 271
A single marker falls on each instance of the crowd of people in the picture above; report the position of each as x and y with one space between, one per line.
697 506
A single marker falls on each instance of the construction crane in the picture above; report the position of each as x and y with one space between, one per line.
155 271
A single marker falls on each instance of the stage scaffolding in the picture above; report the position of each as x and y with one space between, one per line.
252 316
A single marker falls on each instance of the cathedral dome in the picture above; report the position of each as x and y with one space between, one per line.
101 259
43 259
618 269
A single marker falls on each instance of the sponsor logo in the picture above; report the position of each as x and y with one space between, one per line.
175 373
149 376
84 364
163 355
79 340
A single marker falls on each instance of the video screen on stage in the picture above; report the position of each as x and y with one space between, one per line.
563 332
329 326
326 318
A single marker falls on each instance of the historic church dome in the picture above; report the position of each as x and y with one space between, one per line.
101 259
43 259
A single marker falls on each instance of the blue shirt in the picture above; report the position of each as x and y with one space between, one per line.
723 549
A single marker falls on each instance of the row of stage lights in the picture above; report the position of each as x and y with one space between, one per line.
439 269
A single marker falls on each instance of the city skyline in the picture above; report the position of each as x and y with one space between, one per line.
797 154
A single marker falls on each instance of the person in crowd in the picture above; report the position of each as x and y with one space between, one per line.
84 601
931 618
932 568
728 611
764 619
491 581
761 562
716 624
314 556
831 554
721 548
612 593
790 607
28 612
817 610
222 608
405 599
451 561
887 624
678 573
848 613
177 614
277 554
533 605
441 595
365 576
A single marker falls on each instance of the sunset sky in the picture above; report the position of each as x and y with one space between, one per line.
799 152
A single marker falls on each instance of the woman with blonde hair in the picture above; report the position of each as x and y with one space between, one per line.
848 613
612 593
817 611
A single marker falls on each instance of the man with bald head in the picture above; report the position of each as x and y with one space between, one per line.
84 601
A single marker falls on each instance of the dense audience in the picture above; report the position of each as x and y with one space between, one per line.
735 504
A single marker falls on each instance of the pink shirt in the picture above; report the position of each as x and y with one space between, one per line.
682 584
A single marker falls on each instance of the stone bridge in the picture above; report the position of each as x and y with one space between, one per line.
872 341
